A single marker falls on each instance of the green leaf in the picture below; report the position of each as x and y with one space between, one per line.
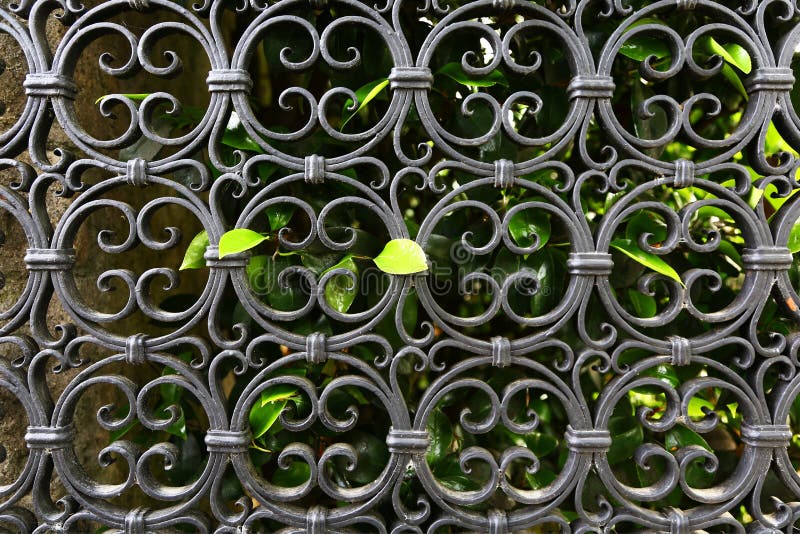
775 143
365 94
372 455
540 479
665 373
794 239
449 473
262 274
178 428
649 260
236 136
454 71
441 433
194 256
525 225
732 53
734 79
239 240
650 122
338 291
136 97
727 248
296 474
626 436
640 47
696 407
549 266
643 305
540 444
279 215
402 256
645 222
679 437
264 413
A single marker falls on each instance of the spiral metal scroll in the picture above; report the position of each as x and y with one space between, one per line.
192 349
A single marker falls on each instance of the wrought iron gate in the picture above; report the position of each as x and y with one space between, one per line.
603 339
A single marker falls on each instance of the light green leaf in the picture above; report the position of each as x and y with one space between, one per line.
193 258
136 97
338 292
734 79
732 53
696 406
365 94
794 239
239 240
775 143
402 256
453 70
281 392
649 260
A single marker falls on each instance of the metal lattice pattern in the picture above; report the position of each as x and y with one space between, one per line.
728 350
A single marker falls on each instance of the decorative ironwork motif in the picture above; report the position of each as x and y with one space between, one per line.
727 349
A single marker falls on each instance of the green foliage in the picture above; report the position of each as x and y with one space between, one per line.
369 247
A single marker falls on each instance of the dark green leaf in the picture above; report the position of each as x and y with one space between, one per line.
540 444
526 225
644 305
645 222
441 435
549 266
626 436
665 373
640 47
296 474
340 291
649 260
454 71
279 215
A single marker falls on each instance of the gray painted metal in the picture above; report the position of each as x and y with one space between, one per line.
50 257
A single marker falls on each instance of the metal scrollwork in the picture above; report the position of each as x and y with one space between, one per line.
502 331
